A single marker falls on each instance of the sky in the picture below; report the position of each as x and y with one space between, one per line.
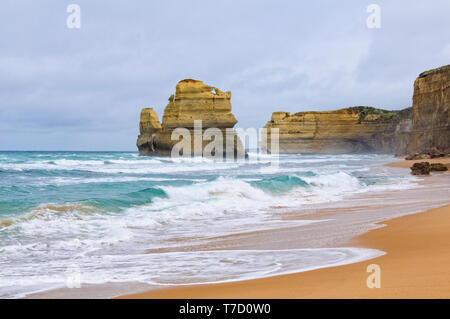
83 88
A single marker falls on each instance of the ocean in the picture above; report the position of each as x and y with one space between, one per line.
117 217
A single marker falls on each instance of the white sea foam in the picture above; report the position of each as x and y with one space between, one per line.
185 268
191 202
62 181
144 166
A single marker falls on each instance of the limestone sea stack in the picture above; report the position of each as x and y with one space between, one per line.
431 113
193 101
350 130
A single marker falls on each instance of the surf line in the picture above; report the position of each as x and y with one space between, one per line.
191 309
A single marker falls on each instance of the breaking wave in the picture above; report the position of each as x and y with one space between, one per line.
95 209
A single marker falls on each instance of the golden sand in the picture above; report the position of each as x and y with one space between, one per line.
417 265
409 163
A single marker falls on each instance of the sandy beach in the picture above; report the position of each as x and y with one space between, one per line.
409 163
416 265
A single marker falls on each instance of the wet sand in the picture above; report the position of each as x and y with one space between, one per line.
409 163
417 265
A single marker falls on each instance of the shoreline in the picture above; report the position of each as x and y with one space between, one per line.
417 250
415 265
340 223
408 163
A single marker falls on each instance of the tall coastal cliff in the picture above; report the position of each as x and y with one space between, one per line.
193 101
431 115
349 130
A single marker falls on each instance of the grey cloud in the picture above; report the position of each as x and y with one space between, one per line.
83 89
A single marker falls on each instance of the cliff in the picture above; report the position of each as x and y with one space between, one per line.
431 116
348 130
193 101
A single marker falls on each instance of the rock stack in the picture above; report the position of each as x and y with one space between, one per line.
193 101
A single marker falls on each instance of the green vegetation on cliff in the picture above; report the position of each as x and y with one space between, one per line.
371 114
444 68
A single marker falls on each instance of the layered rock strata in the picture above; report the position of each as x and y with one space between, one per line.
348 130
200 109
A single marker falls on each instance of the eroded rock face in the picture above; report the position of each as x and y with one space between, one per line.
149 128
193 101
431 115
349 130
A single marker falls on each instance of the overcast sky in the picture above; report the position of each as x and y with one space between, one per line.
82 89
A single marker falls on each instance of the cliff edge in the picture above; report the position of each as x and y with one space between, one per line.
350 130
431 115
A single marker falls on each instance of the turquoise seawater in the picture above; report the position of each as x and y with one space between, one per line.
98 209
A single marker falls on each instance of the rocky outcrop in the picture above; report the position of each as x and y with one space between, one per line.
150 128
193 101
431 114
349 130
438 167
426 155
422 168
